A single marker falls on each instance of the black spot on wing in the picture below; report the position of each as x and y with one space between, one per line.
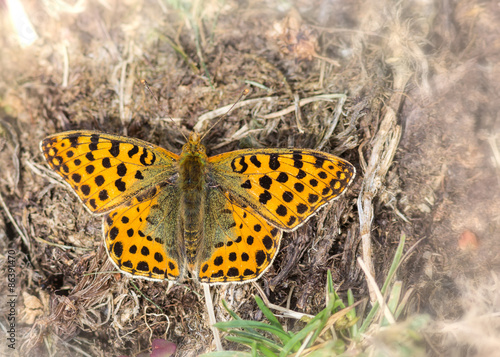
143 266
158 271
89 156
282 177
287 196
298 186
103 195
301 174
265 182
92 203
242 165
260 257
247 184
233 272
301 208
218 274
89 169
312 198
274 163
268 242
73 139
138 175
85 189
297 161
265 197
99 180
113 233
115 148
147 158
106 163
128 264
281 210
118 249
121 170
120 185
133 151
255 161
320 160
158 257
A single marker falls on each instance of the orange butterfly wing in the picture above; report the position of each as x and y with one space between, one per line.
129 180
254 194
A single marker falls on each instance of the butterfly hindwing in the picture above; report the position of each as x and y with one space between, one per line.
239 245
142 236
285 186
107 170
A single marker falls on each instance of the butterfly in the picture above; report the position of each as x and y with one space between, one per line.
219 219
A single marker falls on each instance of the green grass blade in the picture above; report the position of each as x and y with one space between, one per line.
243 324
395 296
395 264
295 341
323 318
254 345
250 337
231 312
351 315
227 354
267 313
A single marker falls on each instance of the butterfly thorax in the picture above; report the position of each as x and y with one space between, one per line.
192 182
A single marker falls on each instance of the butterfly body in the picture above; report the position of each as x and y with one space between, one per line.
218 218
192 185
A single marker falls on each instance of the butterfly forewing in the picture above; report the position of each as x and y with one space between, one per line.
107 170
285 186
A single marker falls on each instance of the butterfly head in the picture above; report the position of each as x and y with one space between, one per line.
194 146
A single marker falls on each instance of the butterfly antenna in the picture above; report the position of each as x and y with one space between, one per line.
243 93
145 84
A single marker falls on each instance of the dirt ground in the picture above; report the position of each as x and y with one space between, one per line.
419 120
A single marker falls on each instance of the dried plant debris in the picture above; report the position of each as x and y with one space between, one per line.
294 37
